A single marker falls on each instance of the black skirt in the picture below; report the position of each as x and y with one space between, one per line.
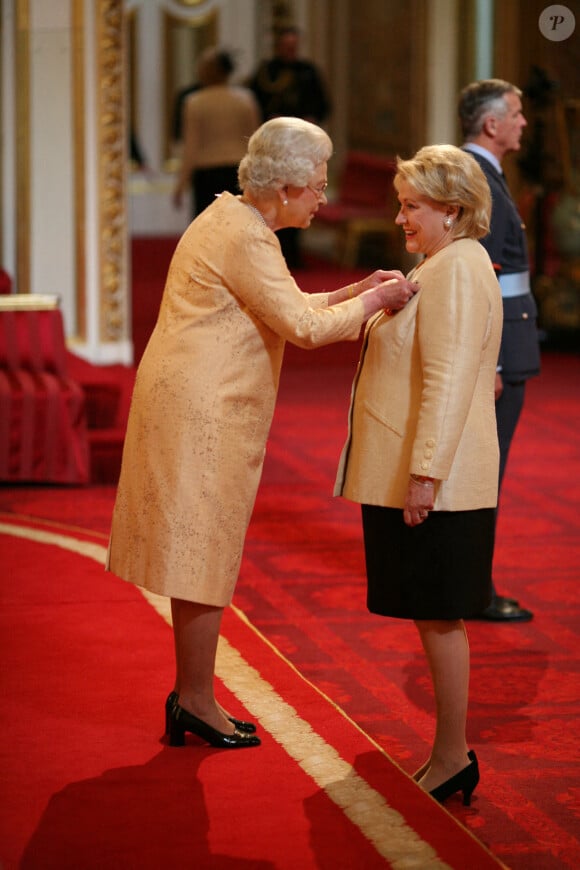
440 569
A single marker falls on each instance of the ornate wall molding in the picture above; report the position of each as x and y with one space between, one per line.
112 160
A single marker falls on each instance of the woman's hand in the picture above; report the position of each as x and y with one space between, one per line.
394 288
418 502
378 277
397 292
392 294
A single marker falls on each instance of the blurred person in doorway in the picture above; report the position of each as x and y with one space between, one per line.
218 120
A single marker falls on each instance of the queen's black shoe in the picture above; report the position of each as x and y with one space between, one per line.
181 720
172 699
465 781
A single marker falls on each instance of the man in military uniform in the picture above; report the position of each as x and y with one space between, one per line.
492 123
289 85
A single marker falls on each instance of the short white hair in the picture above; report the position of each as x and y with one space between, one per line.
283 151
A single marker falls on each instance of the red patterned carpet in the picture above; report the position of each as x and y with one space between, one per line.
86 665
80 753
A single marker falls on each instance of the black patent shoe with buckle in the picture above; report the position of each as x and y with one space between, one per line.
181 721
172 699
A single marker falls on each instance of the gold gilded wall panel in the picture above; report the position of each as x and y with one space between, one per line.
112 158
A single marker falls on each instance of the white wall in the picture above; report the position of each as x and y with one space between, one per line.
52 240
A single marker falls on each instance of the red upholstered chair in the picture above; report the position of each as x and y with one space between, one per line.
365 204
43 432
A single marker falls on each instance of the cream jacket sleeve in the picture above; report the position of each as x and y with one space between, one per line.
257 274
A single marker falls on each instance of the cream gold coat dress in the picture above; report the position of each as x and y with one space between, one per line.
423 398
203 403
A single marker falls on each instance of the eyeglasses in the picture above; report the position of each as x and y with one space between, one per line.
319 191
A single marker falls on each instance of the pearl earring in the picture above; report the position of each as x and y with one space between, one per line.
284 202
448 223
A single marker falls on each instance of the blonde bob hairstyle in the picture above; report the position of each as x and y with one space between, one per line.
283 151
450 176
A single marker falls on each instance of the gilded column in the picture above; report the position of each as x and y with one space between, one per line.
112 137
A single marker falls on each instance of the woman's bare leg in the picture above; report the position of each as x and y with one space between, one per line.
447 650
196 629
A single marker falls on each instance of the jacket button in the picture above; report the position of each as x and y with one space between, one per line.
525 315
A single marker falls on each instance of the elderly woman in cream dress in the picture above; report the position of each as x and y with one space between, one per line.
204 399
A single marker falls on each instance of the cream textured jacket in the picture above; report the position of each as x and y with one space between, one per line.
423 397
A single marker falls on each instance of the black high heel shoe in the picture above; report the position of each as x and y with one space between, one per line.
181 721
466 781
172 699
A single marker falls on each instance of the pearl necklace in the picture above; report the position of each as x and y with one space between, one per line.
255 210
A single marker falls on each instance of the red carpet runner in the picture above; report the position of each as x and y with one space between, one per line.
88 783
